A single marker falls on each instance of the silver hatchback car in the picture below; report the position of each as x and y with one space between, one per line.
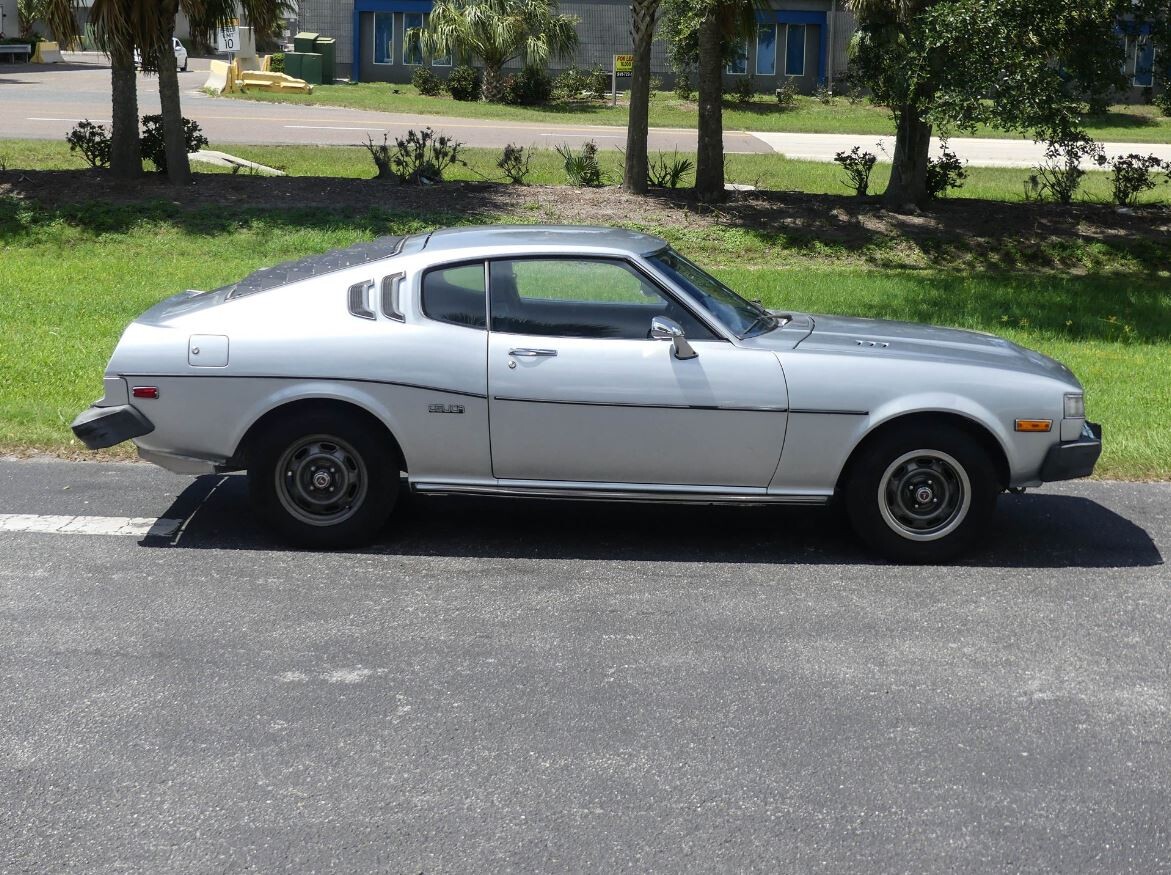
580 363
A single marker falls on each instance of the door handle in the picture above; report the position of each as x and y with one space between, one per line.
532 353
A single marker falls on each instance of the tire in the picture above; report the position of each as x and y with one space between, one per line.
323 479
921 495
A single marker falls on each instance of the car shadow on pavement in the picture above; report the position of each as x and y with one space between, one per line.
1030 531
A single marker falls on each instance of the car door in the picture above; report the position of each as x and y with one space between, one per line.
579 392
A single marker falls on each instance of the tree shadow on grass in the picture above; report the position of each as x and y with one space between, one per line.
971 262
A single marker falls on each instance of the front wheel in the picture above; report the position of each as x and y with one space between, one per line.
922 495
323 479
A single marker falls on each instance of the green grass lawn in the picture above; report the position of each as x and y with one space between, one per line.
75 277
772 172
1122 123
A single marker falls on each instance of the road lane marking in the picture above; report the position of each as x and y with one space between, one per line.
135 527
37 118
328 128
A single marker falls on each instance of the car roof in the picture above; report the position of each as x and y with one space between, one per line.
513 236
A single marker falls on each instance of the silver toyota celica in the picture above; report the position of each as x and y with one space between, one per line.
580 363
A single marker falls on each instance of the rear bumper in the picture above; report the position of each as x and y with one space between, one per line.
1073 459
101 427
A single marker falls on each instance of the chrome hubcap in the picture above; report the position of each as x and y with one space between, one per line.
924 495
321 480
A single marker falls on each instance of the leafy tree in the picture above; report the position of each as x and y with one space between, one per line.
27 14
497 32
642 32
1023 65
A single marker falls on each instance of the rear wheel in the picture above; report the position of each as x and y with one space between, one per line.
323 479
922 495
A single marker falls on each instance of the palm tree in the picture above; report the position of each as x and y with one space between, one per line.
642 32
114 24
723 21
497 32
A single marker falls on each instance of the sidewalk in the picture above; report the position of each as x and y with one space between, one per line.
978 152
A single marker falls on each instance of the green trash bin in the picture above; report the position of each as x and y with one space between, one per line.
303 42
311 68
294 63
327 48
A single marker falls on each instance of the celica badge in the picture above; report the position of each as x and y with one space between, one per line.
445 408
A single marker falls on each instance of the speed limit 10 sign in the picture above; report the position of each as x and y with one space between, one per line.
228 39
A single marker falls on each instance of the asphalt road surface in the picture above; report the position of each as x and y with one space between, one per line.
503 685
44 102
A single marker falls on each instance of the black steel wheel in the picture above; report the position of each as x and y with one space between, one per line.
324 479
921 495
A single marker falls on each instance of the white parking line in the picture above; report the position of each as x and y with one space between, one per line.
135 527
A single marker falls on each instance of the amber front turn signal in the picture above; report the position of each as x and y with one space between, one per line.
1034 425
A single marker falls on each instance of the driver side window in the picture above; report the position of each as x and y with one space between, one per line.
580 297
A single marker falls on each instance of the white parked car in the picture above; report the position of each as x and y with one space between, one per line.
180 55
584 363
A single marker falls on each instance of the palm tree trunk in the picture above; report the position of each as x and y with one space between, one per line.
709 159
908 176
178 167
492 91
125 154
634 177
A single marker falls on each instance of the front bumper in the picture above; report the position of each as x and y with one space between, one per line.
101 427
1072 459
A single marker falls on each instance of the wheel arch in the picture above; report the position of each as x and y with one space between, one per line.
977 430
299 407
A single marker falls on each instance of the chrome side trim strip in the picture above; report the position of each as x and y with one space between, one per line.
588 494
816 412
459 392
640 405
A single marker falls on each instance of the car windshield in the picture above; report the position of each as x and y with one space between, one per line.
743 318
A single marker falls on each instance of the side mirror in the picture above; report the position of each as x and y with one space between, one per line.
663 328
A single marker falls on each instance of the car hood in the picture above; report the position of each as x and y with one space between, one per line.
927 343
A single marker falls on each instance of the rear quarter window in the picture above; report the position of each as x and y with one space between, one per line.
456 295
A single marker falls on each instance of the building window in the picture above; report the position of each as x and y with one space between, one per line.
766 50
795 51
383 37
739 65
412 52
1144 63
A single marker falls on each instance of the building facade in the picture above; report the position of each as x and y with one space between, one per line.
802 41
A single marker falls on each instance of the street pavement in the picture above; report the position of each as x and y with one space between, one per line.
40 102
505 685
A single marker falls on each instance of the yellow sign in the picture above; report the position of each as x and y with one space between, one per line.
623 65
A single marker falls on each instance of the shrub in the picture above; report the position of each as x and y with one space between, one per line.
581 165
742 89
787 95
276 62
418 157
824 95
93 141
463 83
668 173
1060 175
571 83
153 145
530 87
1162 99
858 166
1130 176
683 88
945 172
515 163
599 83
656 84
426 82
